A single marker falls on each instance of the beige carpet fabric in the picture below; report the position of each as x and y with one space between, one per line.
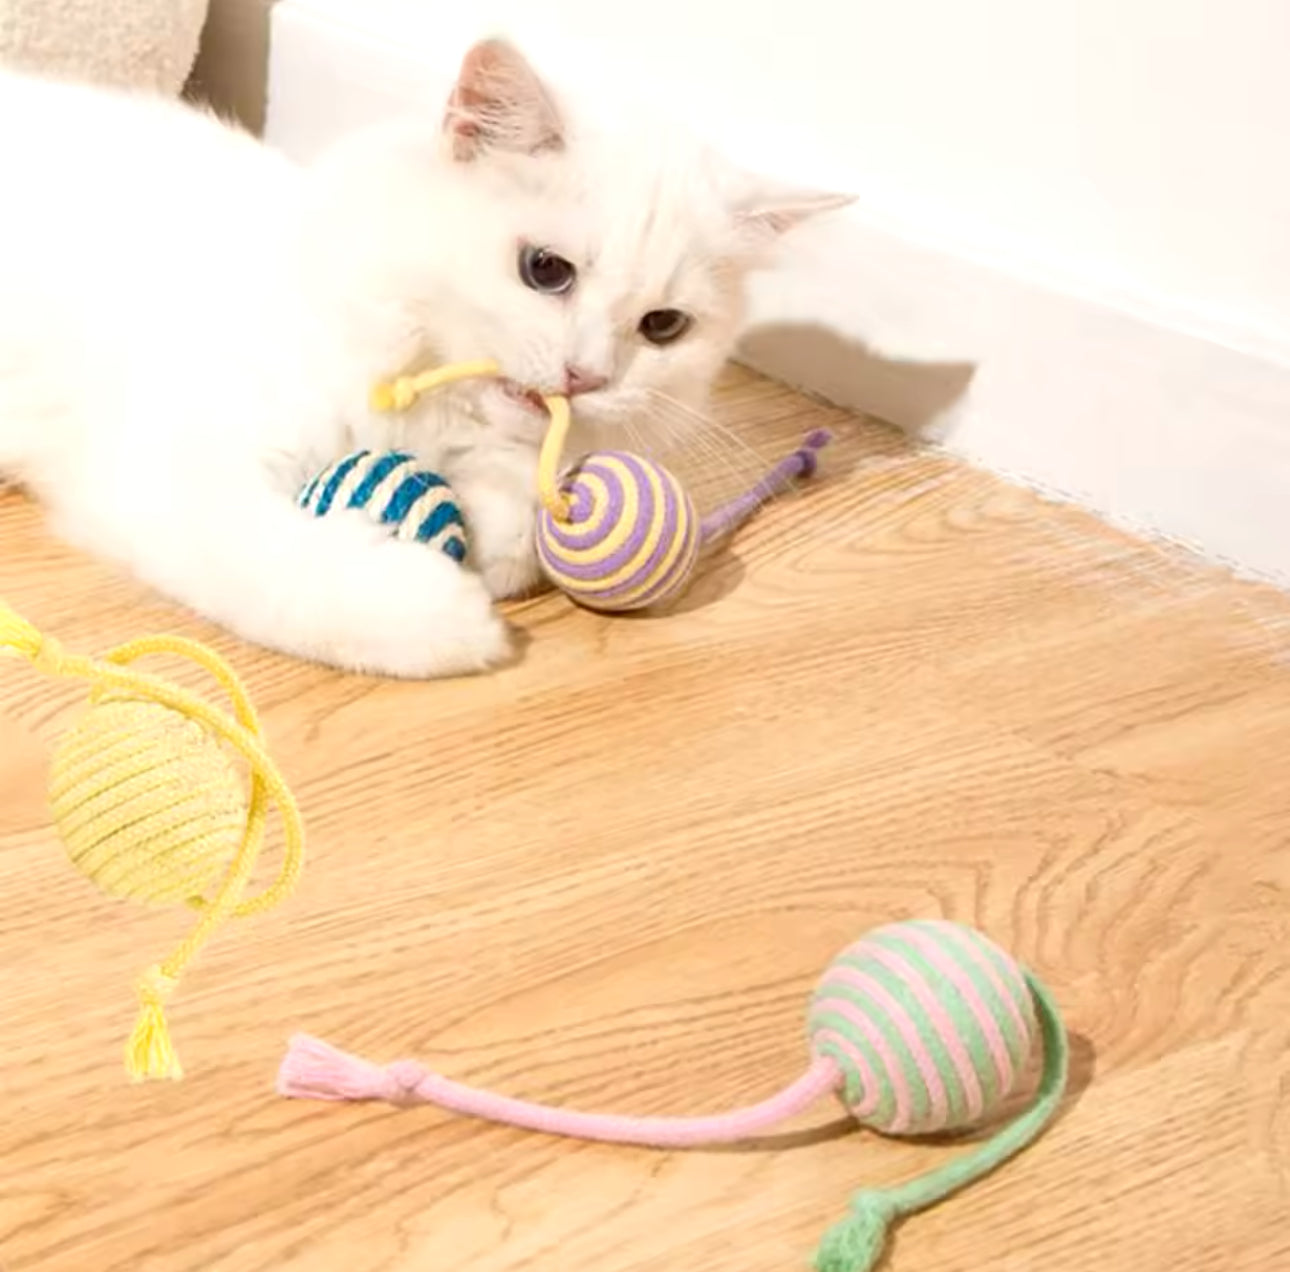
127 43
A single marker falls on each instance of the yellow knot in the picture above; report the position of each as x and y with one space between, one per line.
154 987
397 395
149 1053
49 657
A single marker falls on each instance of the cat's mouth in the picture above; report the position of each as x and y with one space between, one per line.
523 396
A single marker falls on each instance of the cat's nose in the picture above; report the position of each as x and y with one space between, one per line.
580 380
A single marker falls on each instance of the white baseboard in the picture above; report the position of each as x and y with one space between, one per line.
1161 430
1138 413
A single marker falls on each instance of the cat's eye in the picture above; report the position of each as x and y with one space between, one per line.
544 271
663 326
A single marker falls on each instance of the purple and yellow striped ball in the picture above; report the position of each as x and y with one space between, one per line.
929 1023
631 538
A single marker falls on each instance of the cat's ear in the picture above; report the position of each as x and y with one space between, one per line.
499 103
767 210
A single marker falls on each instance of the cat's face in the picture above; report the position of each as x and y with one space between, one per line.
601 259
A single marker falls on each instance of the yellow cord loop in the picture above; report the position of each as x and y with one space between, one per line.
401 393
145 800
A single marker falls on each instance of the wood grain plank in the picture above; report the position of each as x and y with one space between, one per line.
609 875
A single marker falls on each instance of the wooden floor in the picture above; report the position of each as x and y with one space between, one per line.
609 876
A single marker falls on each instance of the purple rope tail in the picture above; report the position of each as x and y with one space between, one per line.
801 464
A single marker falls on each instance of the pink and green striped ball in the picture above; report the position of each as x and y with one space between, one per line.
929 1023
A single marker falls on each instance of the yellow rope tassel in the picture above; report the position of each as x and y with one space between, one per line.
149 1053
149 806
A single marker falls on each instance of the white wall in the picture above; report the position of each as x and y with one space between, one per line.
1137 148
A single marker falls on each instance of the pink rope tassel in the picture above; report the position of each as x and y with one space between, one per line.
312 1070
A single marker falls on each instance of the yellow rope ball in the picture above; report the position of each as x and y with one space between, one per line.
146 802
151 807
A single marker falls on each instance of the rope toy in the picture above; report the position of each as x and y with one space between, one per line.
413 503
922 1026
618 531
150 808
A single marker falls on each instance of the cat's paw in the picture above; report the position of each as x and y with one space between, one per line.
421 617
512 575
501 524
343 592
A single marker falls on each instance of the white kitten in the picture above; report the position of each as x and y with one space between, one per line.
190 326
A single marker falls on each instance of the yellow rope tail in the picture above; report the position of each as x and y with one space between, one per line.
149 1052
398 395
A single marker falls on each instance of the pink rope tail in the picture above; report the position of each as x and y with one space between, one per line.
313 1070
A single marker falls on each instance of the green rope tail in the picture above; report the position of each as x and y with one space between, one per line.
856 1243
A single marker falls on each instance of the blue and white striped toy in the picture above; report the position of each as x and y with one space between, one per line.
415 504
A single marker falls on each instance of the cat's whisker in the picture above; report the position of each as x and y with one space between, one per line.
706 421
692 427
676 428
668 431
713 457
690 430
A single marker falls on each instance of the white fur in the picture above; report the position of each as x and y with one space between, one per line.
190 326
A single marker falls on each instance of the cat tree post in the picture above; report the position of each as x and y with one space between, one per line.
149 44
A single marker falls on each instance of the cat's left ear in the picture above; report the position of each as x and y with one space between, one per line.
767 210
500 103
